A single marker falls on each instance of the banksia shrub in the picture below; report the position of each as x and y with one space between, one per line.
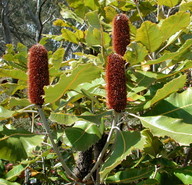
116 83
38 74
121 35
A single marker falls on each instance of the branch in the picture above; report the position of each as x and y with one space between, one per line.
98 162
55 148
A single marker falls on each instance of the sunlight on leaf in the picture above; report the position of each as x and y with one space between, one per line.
169 56
169 88
163 126
81 74
130 175
174 24
149 35
126 141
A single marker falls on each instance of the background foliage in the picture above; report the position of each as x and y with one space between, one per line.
152 144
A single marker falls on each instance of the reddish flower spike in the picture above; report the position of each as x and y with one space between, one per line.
38 73
121 35
116 83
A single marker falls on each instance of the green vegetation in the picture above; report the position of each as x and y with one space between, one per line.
150 143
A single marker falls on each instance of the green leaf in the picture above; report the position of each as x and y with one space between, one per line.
83 135
21 48
169 88
135 53
95 118
72 36
170 3
15 172
143 80
93 19
89 95
5 182
109 13
125 143
149 35
62 118
18 102
185 6
92 4
83 73
169 56
152 146
174 23
13 73
187 64
16 145
162 126
130 176
5 113
177 105
184 174
57 57
66 13
69 119
149 182
93 37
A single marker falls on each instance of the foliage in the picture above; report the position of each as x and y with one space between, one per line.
151 144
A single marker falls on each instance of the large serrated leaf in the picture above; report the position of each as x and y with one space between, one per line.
184 174
130 176
152 144
13 73
143 80
63 118
162 126
5 182
135 53
93 19
177 105
81 74
16 145
72 36
67 14
5 113
83 135
17 101
169 56
126 141
14 172
169 3
69 119
174 24
57 58
169 88
149 35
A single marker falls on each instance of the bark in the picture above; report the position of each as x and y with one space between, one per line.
5 21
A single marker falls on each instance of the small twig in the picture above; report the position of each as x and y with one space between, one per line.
32 122
47 128
98 162
139 12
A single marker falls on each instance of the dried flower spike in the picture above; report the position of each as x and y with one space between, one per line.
121 35
116 83
38 74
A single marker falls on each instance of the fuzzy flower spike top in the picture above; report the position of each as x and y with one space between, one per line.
38 73
120 34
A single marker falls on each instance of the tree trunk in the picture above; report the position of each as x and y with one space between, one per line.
5 21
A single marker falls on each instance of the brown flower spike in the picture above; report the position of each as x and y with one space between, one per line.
116 82
38 74
120 35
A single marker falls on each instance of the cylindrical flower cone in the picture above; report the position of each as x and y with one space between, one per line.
116 83
38 73
121 34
